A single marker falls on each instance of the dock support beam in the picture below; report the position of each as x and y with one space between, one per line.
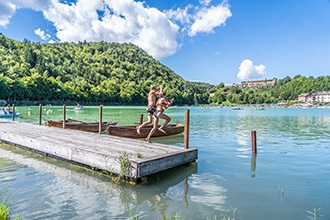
254 141
100 121
40 113
13 113
64 115
141 119
186 129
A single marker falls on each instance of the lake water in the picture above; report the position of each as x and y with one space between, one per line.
289 175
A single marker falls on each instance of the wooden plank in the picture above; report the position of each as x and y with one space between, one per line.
164 162
99 151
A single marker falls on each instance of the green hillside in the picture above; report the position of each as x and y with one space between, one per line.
97 72
114 73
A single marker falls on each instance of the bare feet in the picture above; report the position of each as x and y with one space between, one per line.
161 129
148 141
138 129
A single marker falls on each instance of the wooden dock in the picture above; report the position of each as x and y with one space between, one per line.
99 151
74 174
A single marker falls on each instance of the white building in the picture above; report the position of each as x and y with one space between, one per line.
323 96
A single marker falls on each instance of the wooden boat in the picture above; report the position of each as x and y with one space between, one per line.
130 131
80 125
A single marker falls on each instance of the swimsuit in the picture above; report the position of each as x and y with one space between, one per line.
157 111
160 107
151 109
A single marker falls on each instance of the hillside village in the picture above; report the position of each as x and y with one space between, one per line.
264 83
320 97
308 98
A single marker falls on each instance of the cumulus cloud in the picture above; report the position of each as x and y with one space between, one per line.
42 34
247 70
209 18
115 21
7 10
121 21
205 2
201 19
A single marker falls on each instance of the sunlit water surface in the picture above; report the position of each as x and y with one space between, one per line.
289 175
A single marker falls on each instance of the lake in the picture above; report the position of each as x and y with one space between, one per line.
288 178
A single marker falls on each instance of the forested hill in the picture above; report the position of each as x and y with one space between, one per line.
114 73
97 72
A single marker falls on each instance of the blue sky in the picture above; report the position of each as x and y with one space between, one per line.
208 40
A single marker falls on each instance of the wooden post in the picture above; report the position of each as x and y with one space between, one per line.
100 122
186 130
40 113
13 112
64 115
254 141
141 119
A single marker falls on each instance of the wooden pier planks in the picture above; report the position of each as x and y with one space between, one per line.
99 151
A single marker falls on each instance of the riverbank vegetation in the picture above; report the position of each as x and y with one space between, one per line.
114 73
4 212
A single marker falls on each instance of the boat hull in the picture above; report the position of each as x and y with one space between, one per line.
81 126
130 131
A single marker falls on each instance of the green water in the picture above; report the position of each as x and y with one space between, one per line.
289 176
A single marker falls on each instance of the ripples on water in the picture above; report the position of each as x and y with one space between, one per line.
288 177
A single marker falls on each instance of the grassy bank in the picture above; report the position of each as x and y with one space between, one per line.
4 212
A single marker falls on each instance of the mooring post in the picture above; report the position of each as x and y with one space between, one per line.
141 119
13 112
64 115
186 129
254 141
40 113
100 121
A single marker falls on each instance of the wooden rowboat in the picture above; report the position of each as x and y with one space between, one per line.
130 131
80 125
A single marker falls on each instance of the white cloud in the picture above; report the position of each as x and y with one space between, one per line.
121 21
42 34
209 18
203 19
181 15
249 71
7 10
205 2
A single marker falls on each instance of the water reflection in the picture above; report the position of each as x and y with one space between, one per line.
208 191
253 165
176 140
70 191
291 177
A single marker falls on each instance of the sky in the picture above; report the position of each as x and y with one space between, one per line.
213 41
